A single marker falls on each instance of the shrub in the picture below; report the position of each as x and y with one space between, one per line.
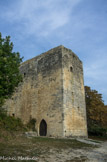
31 124
10 123
97 131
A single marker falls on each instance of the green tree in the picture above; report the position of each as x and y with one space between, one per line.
9 68
96 110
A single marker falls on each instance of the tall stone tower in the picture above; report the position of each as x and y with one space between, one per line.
52 93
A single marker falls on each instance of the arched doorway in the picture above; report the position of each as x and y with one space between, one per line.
43 128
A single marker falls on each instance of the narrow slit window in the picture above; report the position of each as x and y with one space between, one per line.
24 74
13 115
71 69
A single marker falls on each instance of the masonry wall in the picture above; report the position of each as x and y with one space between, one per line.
73 96
53 90
40 95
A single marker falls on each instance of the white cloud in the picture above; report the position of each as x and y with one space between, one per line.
41 17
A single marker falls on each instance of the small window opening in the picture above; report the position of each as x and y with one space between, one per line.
24 74
71 69
13 115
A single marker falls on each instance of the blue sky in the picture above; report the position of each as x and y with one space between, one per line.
36 26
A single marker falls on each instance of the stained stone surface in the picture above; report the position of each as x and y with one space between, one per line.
52 90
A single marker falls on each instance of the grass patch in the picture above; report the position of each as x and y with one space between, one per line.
98 138
60 143
78 159
39 146
20 148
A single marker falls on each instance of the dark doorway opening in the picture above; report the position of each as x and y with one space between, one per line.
43 128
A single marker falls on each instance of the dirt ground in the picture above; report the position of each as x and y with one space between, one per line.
86 154
78 155
21 148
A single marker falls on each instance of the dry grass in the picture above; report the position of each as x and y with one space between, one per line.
15 145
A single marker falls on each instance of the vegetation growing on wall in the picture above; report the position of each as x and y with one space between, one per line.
31 124
10 123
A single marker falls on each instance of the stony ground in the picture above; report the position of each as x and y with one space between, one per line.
78 155
21 148
98 153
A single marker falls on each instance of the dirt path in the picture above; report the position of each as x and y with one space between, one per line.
45 149
79 155
98 154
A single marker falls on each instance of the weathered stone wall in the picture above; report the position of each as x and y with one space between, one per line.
73 95
52 90
40 95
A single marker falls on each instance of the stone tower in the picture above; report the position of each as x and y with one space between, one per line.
52 93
